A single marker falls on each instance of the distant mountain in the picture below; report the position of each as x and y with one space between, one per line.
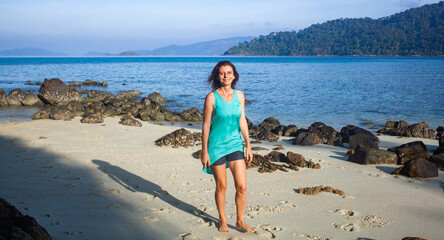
30 52
415 32
95 54
208 48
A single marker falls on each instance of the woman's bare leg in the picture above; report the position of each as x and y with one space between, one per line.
220 177
239 171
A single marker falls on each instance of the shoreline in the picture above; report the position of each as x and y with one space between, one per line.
109 180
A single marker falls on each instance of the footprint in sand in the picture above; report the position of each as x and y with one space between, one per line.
114 191
345 212
150 219
265 194
112 205
310 236
349 227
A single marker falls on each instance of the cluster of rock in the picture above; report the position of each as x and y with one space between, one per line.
318 189
88 82
292 161
402 128
18 97
414 157
13 225
180 138
59 101
318 133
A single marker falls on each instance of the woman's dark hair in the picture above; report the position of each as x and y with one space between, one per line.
214 80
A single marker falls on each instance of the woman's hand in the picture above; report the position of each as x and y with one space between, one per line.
249 155
205 159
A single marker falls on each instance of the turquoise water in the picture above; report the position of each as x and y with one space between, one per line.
297 90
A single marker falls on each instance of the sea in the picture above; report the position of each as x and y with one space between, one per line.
338 91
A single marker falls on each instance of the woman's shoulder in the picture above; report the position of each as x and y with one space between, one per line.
239 93
210 96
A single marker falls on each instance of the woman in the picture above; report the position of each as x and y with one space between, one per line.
222 147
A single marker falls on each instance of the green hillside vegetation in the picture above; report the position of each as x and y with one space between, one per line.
415 32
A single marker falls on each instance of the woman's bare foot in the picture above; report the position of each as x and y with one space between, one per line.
243 226
223 227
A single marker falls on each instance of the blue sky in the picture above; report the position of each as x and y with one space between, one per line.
79 26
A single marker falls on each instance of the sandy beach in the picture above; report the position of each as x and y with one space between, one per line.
110 181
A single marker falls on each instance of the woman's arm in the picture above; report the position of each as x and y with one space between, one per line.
244 127
208 110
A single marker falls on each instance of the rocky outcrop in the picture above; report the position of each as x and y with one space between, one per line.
266 135
44 113
61 112
295 159
276 156
15 97
97 95
317 133
128 95
3 98
32 100
88 82
14 225
410 151
156 98
180 138
318 189
365 156
56 92
418 168
402 128
191 115
364 140
92 117
350 130
129 121
438 160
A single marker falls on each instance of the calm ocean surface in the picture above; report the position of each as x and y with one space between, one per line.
297 90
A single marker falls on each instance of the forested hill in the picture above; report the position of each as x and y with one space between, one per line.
415 32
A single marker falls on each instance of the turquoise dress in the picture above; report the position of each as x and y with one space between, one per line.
225 133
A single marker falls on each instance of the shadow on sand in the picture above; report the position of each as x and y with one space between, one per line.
135 183
68 200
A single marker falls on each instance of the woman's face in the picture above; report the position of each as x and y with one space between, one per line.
226 75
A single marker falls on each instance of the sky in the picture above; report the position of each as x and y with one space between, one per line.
76 27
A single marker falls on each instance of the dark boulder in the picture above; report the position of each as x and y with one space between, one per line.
3 99
76 108
351 130
180 138
129 121
191 115
269 123
438 160
44 113
171 116
156 98
56 92
365 140
147 113
15 97
418 168
61 112
279 130
267 135
75 84
305 138
2 91
410 151
290 131
95 107
128 95
249 123
326 134
89 82
92 117
365 156
420 130
297 160
276 156
97 95
32 100
14 225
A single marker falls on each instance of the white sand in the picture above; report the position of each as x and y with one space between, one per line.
109 181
